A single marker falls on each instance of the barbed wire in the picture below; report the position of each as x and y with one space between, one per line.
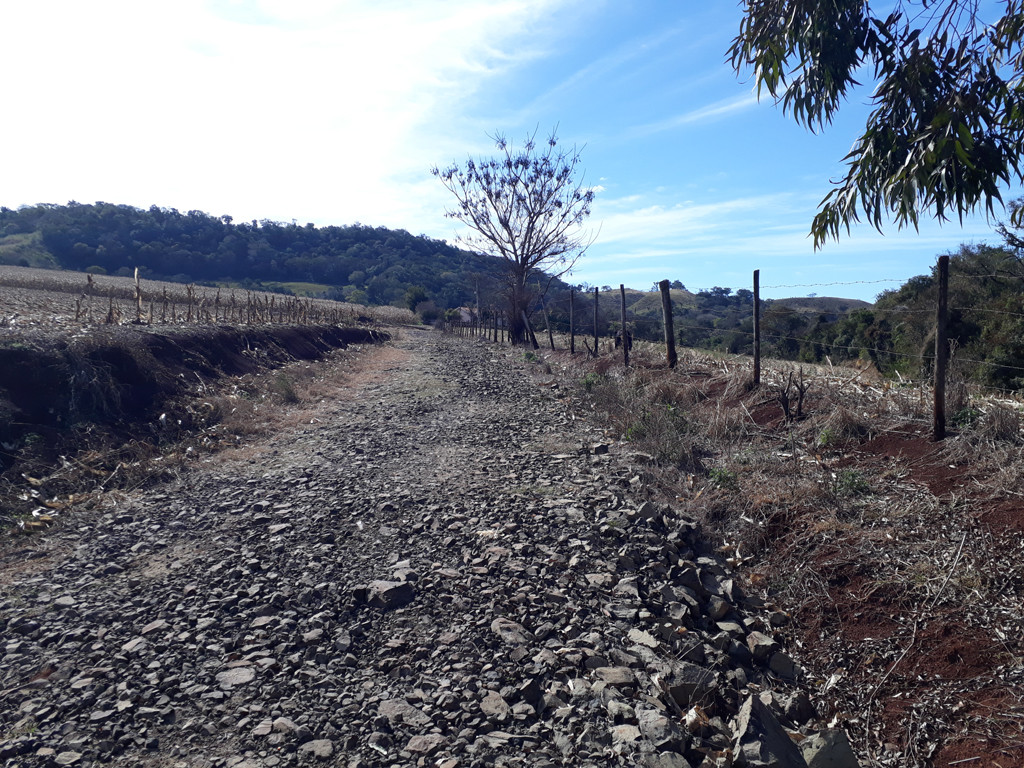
931 311
988 311
823 344
989 363
858 349
848 282
994 276
893 311
879 281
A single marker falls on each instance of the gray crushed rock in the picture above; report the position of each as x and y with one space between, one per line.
449 567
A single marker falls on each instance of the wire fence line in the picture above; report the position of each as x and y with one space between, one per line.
847 282
50 298
944 354
465 325
890 280
989 311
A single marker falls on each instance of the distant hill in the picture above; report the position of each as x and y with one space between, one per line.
369 265
826 305
26 250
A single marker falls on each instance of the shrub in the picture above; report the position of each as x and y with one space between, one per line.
848 483
724 478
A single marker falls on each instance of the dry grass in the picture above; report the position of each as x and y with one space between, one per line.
224 419
897 559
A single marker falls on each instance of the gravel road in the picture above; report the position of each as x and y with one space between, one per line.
447 567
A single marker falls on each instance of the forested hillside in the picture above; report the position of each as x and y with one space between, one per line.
986 322
356 263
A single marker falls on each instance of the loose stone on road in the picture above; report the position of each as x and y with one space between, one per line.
439 570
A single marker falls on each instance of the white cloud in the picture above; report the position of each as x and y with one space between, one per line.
318 109
333 111
602 68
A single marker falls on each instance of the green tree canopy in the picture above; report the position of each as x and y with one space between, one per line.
947 125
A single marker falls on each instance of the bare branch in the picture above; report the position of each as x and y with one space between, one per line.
526 205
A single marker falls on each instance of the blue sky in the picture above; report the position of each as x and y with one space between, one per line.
334 112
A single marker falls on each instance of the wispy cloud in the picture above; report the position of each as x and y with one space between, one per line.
629 219
600 69
333 111
708 113
722 242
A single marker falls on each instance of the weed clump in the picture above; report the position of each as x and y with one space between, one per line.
284 387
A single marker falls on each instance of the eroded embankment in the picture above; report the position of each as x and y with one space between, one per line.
59 394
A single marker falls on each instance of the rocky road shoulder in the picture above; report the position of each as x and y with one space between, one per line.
446 568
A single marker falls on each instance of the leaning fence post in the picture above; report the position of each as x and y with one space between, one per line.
666 311
547 322
941 352
529 331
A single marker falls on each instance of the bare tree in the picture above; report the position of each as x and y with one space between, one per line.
525 206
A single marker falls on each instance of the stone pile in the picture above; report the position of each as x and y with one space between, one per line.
447 568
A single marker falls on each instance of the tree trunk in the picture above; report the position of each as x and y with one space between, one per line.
529 332
517 330
547 322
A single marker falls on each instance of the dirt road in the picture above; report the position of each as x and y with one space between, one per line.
440 564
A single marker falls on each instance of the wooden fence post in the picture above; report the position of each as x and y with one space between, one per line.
666 311
138 297
941 352
572 321
757 327
596 350
622 315
547 322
